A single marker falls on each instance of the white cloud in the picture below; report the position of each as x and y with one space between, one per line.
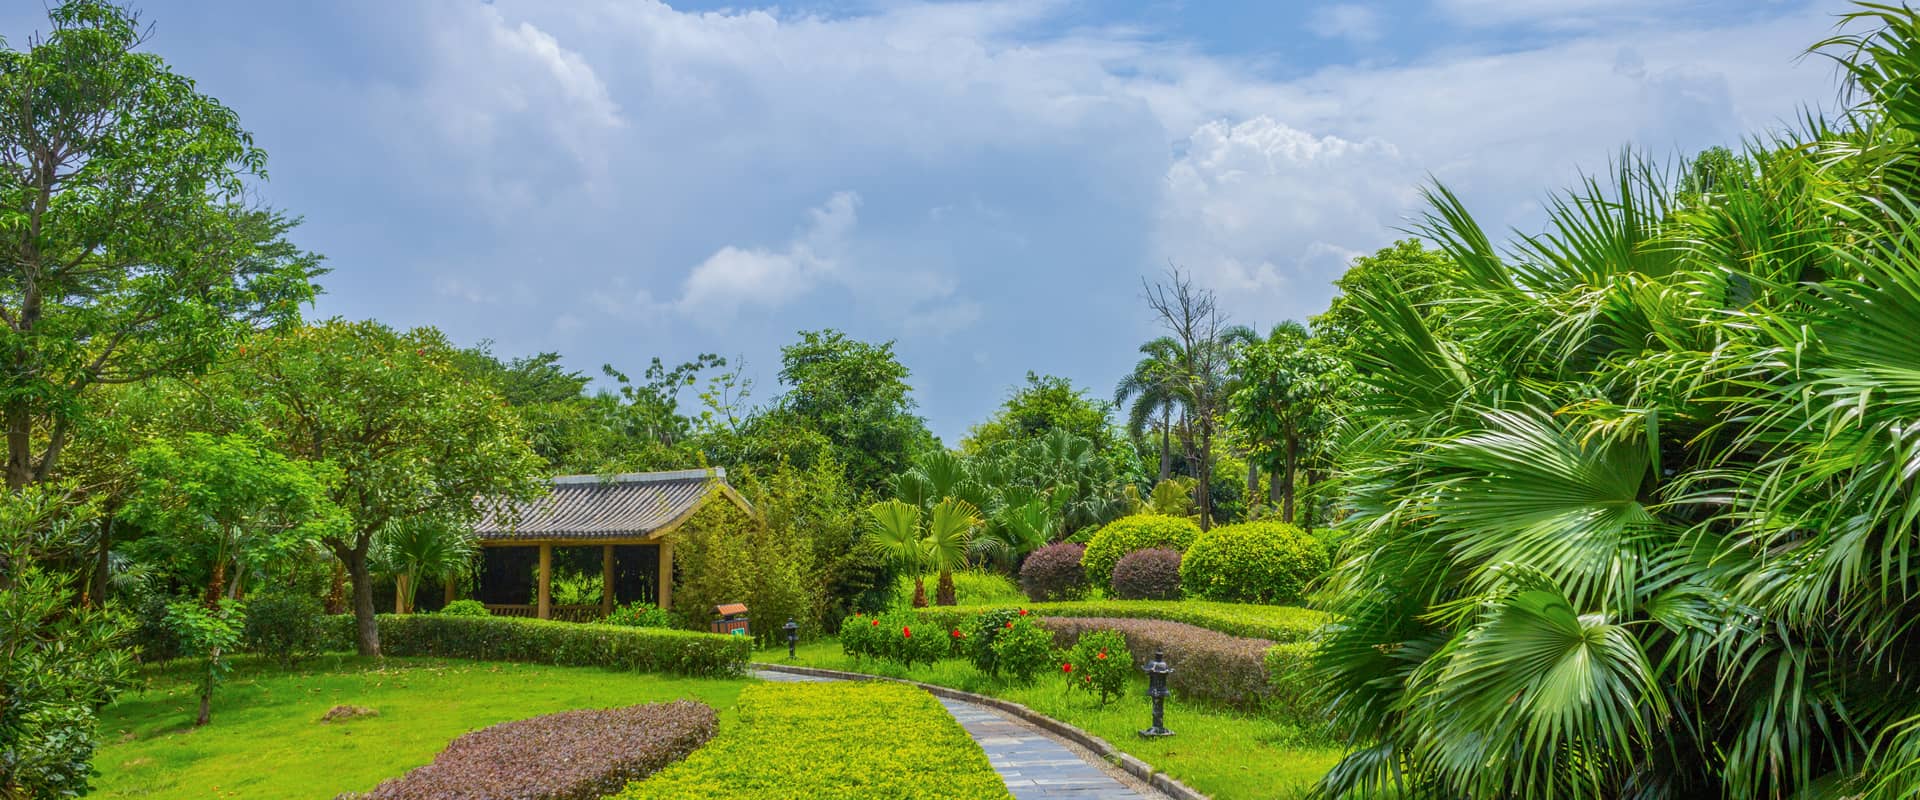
1354 23
734 277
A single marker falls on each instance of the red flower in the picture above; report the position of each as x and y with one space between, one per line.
958 635
876 623
906 632
1009 626
1102 656
1023 612
1067 667
1086 678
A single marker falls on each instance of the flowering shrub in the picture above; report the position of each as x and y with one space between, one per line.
642 615
832 740
1127 534
986 628
1207 666
464 608
860 636
1023 649
574 755
1253 562
1099 663
1150 574
905 639
564 644
1054 572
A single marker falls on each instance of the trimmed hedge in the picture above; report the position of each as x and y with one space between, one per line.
1054 572
1278 623
1253 562
832 741
565 644
1150 574
573 755
1127 534
1208 666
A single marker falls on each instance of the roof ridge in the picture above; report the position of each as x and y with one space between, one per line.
719 473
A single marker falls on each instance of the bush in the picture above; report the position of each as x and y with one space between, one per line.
1054 573
986 628
1253 562
1127 534
284 627
1289 682
573 755
971 587
642 615
900 643
1023 650
1208 666
465 608
1100 663
1150 574
563 644
832 741
1278 623
860 636
153 641
725 555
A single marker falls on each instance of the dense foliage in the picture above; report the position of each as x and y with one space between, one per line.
1022 650
832 741
1209 667
1149 574
1253 562
1278 623
1100 664
1054 572
284 626
561 643
1637 517
572 755
1127 534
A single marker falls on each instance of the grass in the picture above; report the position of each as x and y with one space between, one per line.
1224 754
972 587
1278 623
833 741
266 739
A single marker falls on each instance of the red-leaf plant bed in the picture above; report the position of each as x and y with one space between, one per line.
573 755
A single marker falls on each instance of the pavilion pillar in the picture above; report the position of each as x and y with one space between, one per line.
606 580
666 574
544 603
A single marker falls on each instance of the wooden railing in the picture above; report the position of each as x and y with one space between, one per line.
575 613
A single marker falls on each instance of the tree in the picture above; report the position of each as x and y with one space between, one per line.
413 549
1153 391
893 533
1408 269
1288 383
1200 359
125 250
224 505
941 546
1046 403
411 434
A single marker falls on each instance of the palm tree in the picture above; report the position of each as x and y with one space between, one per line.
949 533
420 548
1639 521
894 532
1153 391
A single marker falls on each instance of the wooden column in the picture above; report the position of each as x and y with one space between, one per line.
545 600
666 575
606 580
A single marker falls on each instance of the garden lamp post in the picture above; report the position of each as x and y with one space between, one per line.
1157 672
793 635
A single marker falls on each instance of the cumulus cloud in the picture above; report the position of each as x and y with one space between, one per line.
736 277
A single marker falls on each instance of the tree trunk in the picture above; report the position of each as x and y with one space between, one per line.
206 698
1275 487
400 586
1253 480
367 627
218 585
19 420
1203 467
102 565
919 593
1166 447
336 602
1292 466
944 594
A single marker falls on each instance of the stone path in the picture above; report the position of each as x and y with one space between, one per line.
1033 765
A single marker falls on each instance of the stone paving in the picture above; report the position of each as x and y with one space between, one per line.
1033 765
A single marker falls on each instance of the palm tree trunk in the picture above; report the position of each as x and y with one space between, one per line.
919 592
336 602
400 604
1253 480
1293 466
1166 446
944 594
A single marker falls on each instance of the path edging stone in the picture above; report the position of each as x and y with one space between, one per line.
1133 766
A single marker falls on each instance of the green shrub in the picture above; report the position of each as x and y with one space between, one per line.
465 608
1023 649
1150 574
860 636
1054 572
642 615
152 639
1289 683
832 741
284 627
1253 562
725 555
1100 663
986 628
1127 534
900 643
1278 623
211 634
563 644
1208 666
971 587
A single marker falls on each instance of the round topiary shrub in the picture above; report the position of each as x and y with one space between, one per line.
1127 534
465 608
1253 562
1054 573
1151 574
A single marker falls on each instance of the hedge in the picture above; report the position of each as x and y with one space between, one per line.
1127 534
1277 623
1211 667
1253 562
573 755
832 741
1150 574
566 644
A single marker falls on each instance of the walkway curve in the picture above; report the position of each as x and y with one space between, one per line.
1034 766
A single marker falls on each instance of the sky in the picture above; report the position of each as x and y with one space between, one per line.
985 183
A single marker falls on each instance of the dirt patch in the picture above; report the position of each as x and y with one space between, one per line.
344 713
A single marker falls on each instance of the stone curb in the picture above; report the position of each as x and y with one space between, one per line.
1133 766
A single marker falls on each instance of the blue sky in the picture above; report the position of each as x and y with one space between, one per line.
985 182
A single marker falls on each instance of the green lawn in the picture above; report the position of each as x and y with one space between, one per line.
1227 755
266 739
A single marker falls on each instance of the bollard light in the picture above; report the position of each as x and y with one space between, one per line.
1157 672
793 635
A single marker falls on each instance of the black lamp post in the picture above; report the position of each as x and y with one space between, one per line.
793 635
1157 672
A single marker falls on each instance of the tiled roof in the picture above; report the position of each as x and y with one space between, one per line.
628 506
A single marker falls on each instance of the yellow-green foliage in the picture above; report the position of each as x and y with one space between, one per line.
1127 534
832 741
971 587
1253 562
724 555
1278 623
